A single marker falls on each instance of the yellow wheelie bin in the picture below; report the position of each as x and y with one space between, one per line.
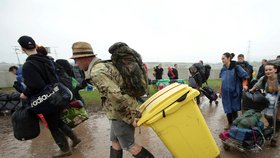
176 118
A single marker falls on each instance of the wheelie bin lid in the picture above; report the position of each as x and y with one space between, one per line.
164 98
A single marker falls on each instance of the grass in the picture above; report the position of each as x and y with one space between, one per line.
92 98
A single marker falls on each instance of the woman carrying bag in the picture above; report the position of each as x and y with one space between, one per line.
36 79
270 84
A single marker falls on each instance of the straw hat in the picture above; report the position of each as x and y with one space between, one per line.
82 49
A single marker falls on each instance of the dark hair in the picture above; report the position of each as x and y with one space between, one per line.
278 56
269 63
240 55
66 66
229 55
12 68
41 50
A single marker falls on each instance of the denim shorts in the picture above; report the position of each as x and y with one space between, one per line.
122 133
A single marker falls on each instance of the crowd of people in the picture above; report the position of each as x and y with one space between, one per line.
237 77
121 108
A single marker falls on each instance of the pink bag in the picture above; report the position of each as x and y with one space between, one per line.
224 135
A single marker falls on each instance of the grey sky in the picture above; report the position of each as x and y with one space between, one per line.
160 30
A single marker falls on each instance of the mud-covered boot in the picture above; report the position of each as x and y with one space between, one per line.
64 150
71 134
75 142
144 153
115 153
61 153
75 139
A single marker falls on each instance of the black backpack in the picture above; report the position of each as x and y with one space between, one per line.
130 65
248 68
207 71
202 70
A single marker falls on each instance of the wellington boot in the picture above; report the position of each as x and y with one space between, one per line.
270 122
61 153
75 142
71 134
277 126
144 153
115 153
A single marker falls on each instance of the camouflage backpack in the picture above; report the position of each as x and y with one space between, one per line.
130 65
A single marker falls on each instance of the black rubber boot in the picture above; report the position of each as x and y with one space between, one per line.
234 115
144 153
115 153
277 125
61 153
71 134
64 148
270 122
229 118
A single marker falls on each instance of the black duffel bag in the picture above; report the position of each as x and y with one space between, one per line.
25 124
50 98
254 100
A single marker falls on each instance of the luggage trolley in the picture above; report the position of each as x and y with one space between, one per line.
259 139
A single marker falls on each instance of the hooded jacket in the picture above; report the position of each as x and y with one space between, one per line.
35 74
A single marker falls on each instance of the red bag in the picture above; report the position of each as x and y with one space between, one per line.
41 116
76 104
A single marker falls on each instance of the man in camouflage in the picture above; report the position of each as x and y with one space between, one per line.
120 108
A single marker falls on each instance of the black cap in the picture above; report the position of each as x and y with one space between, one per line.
27 42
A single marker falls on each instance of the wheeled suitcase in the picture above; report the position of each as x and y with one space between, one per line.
210 94
175 117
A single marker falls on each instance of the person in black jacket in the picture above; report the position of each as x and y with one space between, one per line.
36 78
261 71
173 73
66 67
158 72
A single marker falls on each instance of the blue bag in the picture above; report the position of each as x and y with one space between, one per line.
243 134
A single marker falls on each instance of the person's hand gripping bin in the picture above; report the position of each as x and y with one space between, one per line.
175 117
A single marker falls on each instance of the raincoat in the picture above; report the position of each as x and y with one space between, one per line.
232 86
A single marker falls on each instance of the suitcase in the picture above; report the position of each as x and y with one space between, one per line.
210 94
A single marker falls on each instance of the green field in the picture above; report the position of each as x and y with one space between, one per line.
92 98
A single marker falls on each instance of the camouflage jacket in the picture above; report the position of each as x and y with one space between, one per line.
107 79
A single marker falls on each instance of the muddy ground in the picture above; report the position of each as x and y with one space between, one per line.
95 139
